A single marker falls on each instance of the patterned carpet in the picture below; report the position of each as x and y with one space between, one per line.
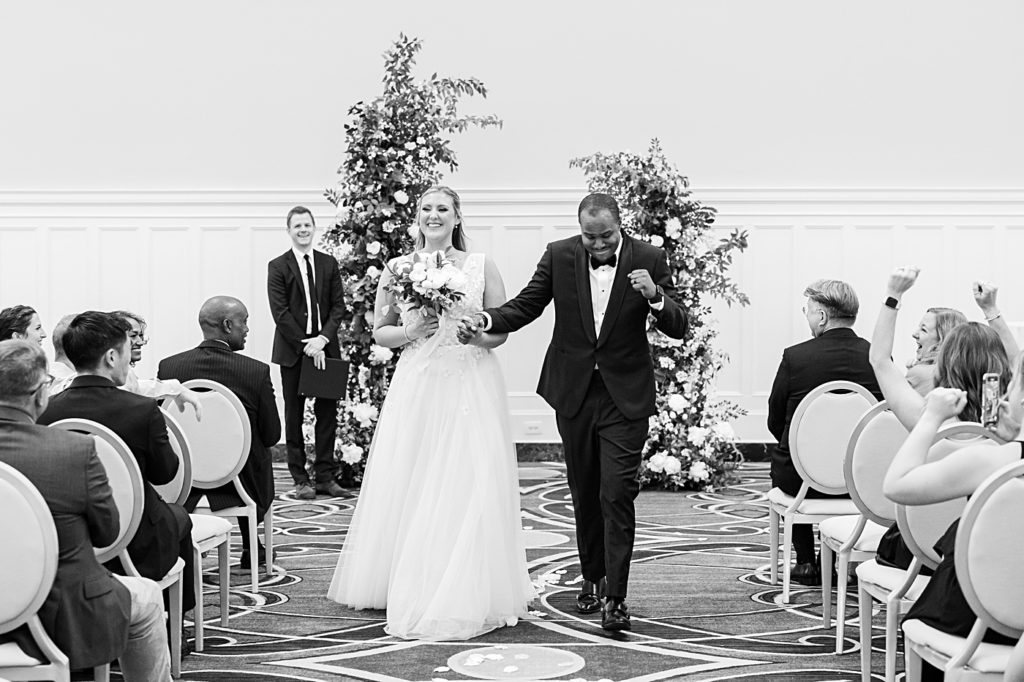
702 605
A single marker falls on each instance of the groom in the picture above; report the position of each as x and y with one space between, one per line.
599 378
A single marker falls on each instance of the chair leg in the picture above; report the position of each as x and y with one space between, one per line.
842 574
225 580
254 558
913 664
197 612
826 587
176 616
892 632
268 532
101 673
773 545
864 602
787 555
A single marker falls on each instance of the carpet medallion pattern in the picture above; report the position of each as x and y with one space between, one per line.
701 601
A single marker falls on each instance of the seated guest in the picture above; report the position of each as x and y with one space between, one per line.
61 370
966 353
21 322
912 480
153 388
224 322
90 615
833 353
98 346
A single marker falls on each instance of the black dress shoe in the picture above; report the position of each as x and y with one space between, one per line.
589 598
261 557
615 615
806 574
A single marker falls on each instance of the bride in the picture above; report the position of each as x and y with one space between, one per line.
436 537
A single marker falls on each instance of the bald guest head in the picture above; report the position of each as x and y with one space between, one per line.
225 318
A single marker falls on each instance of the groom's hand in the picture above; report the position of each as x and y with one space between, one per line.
469 330
642 282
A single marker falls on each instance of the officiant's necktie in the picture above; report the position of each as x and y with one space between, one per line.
311 306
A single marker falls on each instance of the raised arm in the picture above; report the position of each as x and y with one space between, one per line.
672 318
904 401
985 297
910 480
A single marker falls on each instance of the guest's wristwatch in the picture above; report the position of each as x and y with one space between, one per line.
893 303
659 296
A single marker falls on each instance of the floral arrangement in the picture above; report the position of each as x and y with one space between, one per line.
429 282
691 443
395 148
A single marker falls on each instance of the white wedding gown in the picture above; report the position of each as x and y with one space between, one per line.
436 536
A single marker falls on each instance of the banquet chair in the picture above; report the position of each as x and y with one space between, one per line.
28 566
989 552
126 484
873 444
220 446
818 436
208 532
920 527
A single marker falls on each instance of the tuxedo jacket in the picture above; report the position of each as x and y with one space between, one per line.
621 352
288 305
87 611
838 354
140 424
249 379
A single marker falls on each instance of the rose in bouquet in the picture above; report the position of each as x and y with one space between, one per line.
429 282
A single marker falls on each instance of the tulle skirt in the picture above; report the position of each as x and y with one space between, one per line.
436 537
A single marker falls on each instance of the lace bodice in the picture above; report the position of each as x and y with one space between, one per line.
471 302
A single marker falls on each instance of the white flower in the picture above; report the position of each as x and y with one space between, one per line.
364 413
342 250
681 376
677 403
420 140
380 355
373 272
341 213
413 230
697 435
410 146
657 240
699 471
666 362
435 279
672 465
373 248
351 454
657 462
401 197
724 431
673 228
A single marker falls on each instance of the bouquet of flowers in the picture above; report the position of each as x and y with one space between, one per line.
429 282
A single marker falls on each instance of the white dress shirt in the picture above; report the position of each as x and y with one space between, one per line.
307 285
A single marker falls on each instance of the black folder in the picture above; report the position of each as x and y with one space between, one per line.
329 382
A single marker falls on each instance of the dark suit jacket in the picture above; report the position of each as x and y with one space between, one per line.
621 353
288 305
248 379
138 421
837 355
87 611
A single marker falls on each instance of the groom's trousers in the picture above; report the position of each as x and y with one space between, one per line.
602 458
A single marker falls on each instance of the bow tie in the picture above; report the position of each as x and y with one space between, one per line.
595 264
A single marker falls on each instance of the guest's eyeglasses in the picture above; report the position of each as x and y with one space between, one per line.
45 383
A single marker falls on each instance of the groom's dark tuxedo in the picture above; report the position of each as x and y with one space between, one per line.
601 387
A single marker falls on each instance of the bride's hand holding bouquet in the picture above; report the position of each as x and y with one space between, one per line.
430 283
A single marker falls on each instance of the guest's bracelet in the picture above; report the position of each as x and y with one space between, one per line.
994 317
405 330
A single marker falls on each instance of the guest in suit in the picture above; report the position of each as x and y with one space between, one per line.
225 324
833 353
599 378
90 615
306 301
98 345
21 322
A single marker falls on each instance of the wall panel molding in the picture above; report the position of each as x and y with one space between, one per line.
178 247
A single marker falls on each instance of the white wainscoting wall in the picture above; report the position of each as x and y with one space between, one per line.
162 253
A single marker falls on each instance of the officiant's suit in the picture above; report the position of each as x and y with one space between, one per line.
601 387
290 309
249 380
